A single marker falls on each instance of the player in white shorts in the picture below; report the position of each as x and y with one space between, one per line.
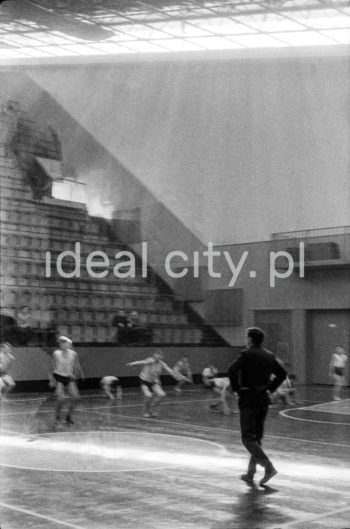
150 381
6 358
111 387
221 386
66 369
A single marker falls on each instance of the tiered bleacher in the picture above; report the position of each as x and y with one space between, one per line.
82 308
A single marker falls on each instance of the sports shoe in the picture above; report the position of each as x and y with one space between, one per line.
147 415
248 478
270 472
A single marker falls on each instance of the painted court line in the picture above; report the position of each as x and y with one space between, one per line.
41 516
314 518
285 413
174 423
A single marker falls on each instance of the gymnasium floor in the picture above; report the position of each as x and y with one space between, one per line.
115 469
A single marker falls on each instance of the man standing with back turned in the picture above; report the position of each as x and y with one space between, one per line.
254 375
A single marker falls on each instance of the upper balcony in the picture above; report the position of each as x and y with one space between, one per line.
318 249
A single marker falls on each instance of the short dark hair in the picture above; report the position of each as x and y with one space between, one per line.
256 335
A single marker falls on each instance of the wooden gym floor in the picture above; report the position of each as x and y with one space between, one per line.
115 469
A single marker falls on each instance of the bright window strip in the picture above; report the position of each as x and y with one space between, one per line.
270 23
326 19
259 41
34 52
181 29
216 43
143 32
305 38
339 35
144 46
180 45
80 49
224 26
111 48
58 51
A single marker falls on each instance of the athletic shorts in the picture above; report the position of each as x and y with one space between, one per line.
339 371
150 385
63 380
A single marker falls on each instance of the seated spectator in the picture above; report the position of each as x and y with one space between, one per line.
137 332
47 333
183 369
208 374
24 328
120 322
7 328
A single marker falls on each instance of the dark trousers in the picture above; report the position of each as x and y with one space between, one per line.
252 421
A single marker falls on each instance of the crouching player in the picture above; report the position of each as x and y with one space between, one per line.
221 386
285 391
111 387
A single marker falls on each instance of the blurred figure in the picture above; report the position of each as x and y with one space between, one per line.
208 374
111 387
120 322
337 370
137 332
66 369
221 386
184 373
24 328
151 386
6 358
285 391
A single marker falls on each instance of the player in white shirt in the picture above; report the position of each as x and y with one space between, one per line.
66 369
208 374
111 387
337 370
221 386
150 383
6 358
183 370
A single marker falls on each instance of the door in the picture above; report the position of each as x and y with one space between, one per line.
328 329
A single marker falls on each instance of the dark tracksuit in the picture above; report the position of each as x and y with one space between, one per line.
251 377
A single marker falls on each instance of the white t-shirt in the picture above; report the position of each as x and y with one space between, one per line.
64 362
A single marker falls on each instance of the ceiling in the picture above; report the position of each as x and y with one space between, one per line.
44 29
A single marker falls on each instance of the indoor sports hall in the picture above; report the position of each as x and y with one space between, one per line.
175 206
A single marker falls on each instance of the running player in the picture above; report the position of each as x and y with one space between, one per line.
6 358
66 369
150 381
221 386
111 387
183 370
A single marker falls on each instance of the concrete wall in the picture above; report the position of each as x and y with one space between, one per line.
32 363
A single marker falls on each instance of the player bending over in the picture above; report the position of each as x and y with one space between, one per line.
221 386
111 387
